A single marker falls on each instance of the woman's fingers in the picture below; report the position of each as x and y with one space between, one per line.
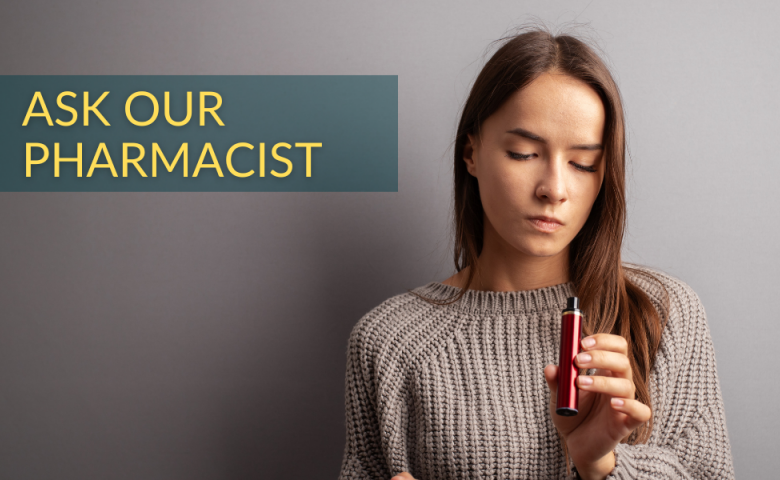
403 476
636 411
605 341
612 386
617 363
551 375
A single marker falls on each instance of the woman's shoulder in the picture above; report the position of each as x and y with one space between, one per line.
387 322
672 297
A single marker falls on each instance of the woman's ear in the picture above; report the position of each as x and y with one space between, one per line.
469 155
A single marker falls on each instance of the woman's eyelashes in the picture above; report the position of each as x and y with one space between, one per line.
519 156
584 168
526 156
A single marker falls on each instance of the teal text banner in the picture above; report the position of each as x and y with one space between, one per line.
206 133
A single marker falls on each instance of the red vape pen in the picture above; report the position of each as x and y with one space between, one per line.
571 334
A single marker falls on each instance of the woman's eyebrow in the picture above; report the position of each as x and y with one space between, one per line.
532 136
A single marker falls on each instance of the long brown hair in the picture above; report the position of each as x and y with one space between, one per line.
612 302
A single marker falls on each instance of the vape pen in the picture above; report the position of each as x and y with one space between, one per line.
571 334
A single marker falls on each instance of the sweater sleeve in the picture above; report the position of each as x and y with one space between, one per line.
692 440
363 459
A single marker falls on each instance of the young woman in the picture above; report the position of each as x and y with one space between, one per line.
457 379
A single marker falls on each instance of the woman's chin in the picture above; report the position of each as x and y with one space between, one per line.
537 247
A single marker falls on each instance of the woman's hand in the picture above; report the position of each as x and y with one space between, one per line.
607 409
403 476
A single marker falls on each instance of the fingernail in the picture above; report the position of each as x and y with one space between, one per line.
585 380
584 358
589 342
617 402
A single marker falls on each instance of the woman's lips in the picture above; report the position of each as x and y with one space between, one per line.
544 226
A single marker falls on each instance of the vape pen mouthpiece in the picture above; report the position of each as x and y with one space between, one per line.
572 303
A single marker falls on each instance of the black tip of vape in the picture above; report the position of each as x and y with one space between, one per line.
566 412
573 303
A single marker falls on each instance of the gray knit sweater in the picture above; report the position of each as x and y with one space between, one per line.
458 391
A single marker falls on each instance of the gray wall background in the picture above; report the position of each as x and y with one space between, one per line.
203 335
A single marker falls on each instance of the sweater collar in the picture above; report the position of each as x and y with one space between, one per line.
552 298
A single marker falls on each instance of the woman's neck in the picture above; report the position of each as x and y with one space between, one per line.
515 272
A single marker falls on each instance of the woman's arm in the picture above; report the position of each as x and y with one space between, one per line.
363 459
694 440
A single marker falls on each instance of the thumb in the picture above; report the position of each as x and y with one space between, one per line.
551 375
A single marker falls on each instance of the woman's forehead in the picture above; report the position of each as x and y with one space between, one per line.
554 106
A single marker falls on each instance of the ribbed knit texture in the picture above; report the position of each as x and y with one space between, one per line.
458 391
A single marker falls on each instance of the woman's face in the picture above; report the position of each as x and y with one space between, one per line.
540 154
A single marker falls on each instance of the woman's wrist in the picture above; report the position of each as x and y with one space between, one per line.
598 470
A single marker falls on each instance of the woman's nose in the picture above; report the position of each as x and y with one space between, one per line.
552 185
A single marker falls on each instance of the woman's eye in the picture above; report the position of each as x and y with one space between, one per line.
520 156
584 168
526 156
